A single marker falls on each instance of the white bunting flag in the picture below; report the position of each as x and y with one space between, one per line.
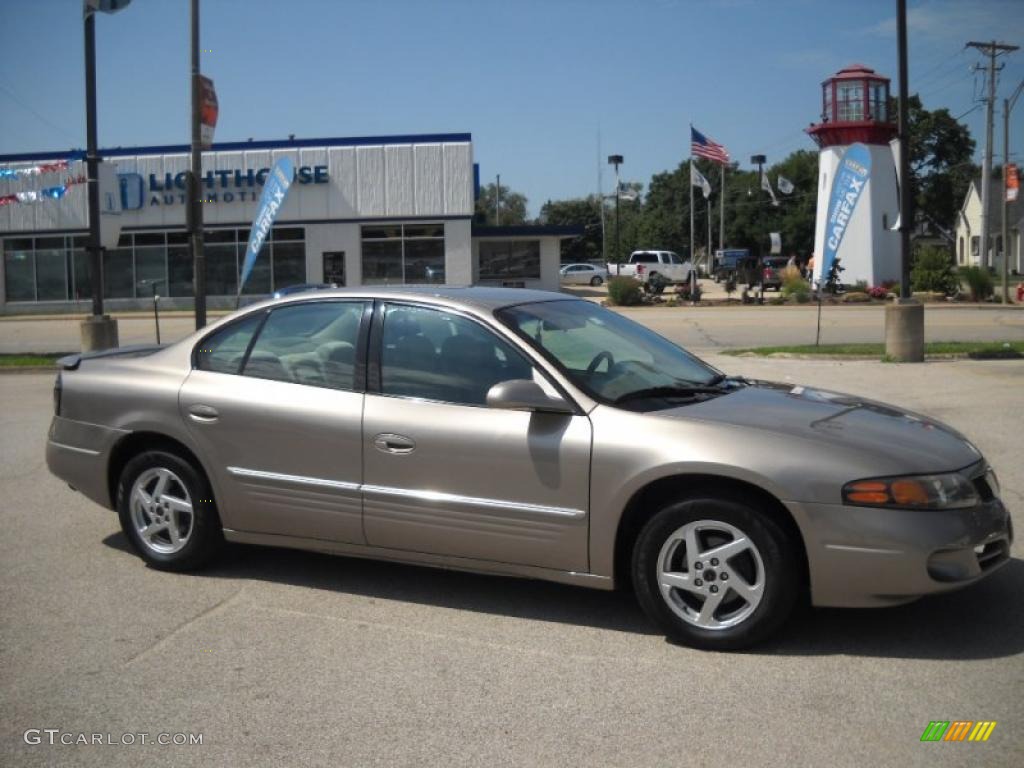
697 179
766 185
785 185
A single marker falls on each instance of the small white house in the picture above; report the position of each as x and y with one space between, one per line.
968 229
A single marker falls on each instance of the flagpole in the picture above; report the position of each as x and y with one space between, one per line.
721 209
709 228
689 183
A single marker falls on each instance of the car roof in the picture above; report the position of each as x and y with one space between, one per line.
479 298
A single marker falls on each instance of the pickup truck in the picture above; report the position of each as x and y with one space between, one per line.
643 265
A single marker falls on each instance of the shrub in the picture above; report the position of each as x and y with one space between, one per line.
777 300
856 297
861 286
979 282
878 291
730 285
933 271
625 292
794 286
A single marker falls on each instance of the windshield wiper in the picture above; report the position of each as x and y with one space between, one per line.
667 391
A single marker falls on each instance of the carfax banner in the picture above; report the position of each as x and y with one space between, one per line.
851 177
275 190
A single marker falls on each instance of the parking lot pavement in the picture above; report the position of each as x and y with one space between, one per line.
288 658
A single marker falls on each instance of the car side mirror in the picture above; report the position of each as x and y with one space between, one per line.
525 395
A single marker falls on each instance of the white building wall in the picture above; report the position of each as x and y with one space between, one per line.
459 258
364 182
870 250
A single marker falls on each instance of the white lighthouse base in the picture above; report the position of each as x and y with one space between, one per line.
870 250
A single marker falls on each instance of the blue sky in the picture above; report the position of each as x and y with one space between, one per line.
532 80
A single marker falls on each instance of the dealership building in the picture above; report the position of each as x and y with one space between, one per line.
361 211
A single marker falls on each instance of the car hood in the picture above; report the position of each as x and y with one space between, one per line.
905 441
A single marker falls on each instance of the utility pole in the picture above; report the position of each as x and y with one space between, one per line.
992 50
195 203
616 160
1008 105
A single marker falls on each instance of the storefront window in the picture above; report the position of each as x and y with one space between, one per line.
409 253
19 270
221 269
259 279
118 274
51 269
289 264
509 259
150 270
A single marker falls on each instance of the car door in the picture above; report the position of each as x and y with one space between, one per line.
274 404
444 473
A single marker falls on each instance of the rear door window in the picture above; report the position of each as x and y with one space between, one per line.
312 343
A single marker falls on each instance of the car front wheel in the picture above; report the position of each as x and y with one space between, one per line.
167 512
715 573
596 280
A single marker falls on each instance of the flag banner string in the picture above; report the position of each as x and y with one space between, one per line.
48 193
34 170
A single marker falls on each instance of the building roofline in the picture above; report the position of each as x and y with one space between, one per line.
239 146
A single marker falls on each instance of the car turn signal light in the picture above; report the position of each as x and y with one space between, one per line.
947 491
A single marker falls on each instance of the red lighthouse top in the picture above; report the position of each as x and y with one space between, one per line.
855 107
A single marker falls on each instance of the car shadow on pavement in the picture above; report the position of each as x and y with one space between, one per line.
482 593
982 621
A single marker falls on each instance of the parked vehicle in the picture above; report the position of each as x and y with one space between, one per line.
526 433
583 274
730 263
303 288
772 269
645 265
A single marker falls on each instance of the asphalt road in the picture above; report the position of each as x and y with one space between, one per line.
287 658
702 329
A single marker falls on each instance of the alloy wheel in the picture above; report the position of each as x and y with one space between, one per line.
161 510
711 574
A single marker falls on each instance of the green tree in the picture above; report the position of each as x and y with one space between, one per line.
940 162
579 212
511 208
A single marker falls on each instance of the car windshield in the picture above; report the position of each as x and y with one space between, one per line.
604 354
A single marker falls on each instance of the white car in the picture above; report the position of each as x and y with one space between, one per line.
583 274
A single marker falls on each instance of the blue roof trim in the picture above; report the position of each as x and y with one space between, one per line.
239 146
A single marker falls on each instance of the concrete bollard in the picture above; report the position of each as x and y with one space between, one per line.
98 332
904 331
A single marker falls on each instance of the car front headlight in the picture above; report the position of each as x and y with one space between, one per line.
947 491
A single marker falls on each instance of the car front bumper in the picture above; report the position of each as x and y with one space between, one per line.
867 557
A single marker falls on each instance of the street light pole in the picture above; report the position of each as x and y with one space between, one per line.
98 331
195 203
616 160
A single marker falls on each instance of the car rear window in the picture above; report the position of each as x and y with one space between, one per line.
222 351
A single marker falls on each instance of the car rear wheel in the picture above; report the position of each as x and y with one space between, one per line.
167 512
596 280
716 574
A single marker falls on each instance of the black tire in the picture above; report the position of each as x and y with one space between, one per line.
596 280
781 587
205 536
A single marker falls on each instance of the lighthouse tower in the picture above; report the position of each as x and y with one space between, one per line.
855 108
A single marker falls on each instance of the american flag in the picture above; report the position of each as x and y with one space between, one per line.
702 146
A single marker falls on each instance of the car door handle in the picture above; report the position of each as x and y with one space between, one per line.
390 443
203 413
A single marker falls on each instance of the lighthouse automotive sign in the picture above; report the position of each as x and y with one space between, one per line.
847 187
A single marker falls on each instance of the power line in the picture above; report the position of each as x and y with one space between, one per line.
14 97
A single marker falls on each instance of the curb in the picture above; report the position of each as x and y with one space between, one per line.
16 369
